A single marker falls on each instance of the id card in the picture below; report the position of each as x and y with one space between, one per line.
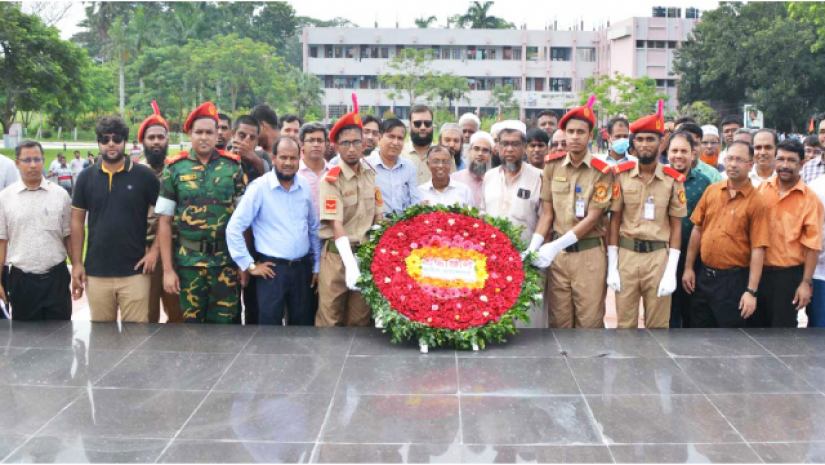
579 208
649 210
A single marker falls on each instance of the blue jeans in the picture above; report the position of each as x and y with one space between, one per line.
816 309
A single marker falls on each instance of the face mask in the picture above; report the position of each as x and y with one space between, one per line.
620 146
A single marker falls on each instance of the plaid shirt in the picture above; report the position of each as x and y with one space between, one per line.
812 170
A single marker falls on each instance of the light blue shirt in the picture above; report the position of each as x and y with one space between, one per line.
613 162
398 185
285 223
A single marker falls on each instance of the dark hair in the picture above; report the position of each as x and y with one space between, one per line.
792 145
812 141
289 119
538 135
510 131
27 144
112 125
692 128
775 137
616 119
265 114
309 128
225 117
248 120
76 152
392 123
685 135
732 119
420 109
371 119
741 142
278 142
438 148
549 113
683 120
579 118
348 127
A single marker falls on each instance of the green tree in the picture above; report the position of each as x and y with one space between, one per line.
411 75
478 17
117 49
700 111
424 23
309 92
503 98
275 25
139 35
622 95
450 88
813 13
99 18
36 67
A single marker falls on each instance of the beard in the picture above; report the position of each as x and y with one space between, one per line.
420 140
220 145
117 158
155 157
513 166
283 176
647 160
456 155
479 168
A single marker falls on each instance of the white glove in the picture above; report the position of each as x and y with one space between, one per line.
352 273
668 283
535 243
375 227
548 252
613 268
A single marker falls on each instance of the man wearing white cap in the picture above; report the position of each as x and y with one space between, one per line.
470 124
450 136
478 163
711 146
494 130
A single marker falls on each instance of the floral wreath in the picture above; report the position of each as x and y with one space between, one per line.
447 275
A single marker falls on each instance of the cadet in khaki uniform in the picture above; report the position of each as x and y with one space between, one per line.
648 206
575 193
350 204
198 194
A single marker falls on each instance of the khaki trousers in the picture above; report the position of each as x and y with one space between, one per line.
171 302
640 275
576 289
337 305
130 294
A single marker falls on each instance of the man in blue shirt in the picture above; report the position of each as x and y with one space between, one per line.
284 220
395 176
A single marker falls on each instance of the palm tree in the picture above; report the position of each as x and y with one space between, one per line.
309 92
139 35
478 17
118 49
425 23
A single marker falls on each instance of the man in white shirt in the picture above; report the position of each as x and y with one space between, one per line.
478 163
8 172
764 148
76 164
313 166
441 190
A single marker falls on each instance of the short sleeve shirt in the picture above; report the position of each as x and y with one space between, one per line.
631 194
353 199
205 197
695 185
795 218
561 178
518 200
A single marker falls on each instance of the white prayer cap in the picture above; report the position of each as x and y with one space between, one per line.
710 129
481 135
449 127
469 117
515 125
496 127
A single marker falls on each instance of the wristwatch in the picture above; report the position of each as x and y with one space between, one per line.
252 267
751 291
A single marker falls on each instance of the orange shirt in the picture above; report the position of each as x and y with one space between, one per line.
712 160
731 227
795 221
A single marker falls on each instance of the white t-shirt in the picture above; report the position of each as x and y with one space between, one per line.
455 192
77 165
818 186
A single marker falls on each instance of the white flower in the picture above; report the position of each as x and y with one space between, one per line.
510 279
482 298
387 280
451 222
435 307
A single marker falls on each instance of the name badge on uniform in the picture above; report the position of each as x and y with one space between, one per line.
188 177
523 194
650 209
580 207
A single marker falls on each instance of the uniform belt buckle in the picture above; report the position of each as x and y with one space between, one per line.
209 247
640 246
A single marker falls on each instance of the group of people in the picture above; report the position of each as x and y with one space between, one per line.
271 213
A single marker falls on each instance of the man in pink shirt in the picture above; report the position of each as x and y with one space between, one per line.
480 153
313 165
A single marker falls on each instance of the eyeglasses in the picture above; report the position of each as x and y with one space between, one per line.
347 144
506 144
116 138
427 123
813 151
555 145
35 160
438 162
318 141
371 133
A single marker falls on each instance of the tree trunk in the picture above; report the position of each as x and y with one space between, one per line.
218 93
122 92
234 94
142 85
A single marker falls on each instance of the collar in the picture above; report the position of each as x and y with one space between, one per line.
800 186
303 166
127 166
273 183
588 157
375 159
347 171
43 185
745 191
427 186
657 173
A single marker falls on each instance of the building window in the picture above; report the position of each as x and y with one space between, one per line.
313 52
337 111
533 53
328 82
659 12
692 13
517 54
399 49
674 12
445 53
471 52
349 52
538 86
561 85
507 53
328 51
385 52
586 54
529 84
560 53
660 82
640 44
672 44
655 44
456 54
339 52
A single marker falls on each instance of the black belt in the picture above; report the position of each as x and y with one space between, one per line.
713 273
640 246
285 262
777 269
203 246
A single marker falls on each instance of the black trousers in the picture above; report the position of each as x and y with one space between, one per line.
680 302
250 297
289 289
4 281
715 303
41 296
774 303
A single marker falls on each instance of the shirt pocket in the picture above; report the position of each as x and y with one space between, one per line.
50 217
737 224
790 227
632 197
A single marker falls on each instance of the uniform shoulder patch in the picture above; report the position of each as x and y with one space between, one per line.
622 167
176 157
379 201
230 155
331 205
673 173
333 174
682 197
601 165
600 192
554 156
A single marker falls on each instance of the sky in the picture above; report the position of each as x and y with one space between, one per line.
536 14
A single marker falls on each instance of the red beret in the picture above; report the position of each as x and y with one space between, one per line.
350 119
152 120
651 123
206 109
585 113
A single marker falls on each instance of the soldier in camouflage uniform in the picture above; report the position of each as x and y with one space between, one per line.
199 191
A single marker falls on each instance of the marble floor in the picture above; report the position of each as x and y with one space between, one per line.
80 392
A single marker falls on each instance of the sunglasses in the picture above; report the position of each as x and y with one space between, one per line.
427 123
117 139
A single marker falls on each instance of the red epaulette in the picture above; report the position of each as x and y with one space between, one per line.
230 155
674 174
600 165
554 156
176 157
622 167
333 174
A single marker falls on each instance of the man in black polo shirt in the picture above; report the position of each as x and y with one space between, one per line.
117 195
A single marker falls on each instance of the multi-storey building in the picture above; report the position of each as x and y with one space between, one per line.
547 68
